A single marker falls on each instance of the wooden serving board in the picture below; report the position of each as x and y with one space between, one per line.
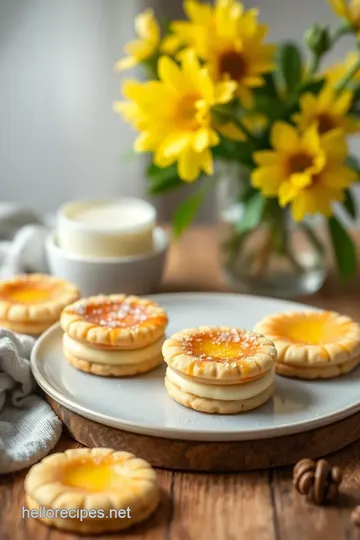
212 456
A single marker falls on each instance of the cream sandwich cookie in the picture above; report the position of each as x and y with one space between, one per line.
313 345
114 335
115 362
219 369
116 321
29 304
114 490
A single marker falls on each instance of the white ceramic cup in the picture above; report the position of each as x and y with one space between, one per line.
139 274
106 228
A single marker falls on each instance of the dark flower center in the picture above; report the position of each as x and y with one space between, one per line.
326 123
233 64
299 163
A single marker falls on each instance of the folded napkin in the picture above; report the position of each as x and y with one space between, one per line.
22 236
29 428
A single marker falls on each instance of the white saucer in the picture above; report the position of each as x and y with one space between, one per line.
140 404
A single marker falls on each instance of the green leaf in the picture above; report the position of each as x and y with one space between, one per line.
344 249
164 179
353 163
312 86
253 212
241 152
265 104
289 66
270 86
186 212
349 204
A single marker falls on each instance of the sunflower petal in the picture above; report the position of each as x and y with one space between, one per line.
204 138
126 63
170 74
266 157
334 144
189 166
206 162
343 103
300 180
287 193
340 7
311 140
224 91
284 137
175 143
268 179
230 131
198 13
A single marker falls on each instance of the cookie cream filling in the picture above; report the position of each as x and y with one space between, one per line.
224 393
116 357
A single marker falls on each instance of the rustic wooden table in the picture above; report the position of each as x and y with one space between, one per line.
256 505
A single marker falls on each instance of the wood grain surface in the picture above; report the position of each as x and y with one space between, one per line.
206 456
259 505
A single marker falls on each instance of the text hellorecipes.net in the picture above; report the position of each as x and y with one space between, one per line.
75 513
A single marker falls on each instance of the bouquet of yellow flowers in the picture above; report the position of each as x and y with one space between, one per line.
219 92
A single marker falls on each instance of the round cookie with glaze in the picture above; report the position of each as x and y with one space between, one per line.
222 354
31 303
112 362
312 345
97 480
116 321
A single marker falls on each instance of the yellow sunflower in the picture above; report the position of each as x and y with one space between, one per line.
143 48
230 40
328 109
174 114
305 170
349 10
337 71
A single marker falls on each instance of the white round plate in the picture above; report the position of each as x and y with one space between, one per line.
140 404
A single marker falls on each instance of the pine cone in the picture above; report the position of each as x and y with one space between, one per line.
317 480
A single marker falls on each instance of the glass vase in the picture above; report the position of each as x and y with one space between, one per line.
279 257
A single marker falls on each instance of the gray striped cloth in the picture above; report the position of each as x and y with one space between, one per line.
29 428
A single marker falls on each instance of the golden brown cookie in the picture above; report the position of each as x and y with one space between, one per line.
311 373
116 321
219 353
31 303
118 489
216 406
113 370
307 340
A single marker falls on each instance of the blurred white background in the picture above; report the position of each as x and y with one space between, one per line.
59 138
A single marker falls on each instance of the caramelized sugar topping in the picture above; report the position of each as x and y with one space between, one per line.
119 314
221 345
27 292
93 474
311 328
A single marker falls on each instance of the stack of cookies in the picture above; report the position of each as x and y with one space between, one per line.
313 344
115 335
219 369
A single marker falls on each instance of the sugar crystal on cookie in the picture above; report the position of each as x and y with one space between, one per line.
220 344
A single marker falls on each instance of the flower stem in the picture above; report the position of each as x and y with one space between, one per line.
314 64
239 123
340 32
348 76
